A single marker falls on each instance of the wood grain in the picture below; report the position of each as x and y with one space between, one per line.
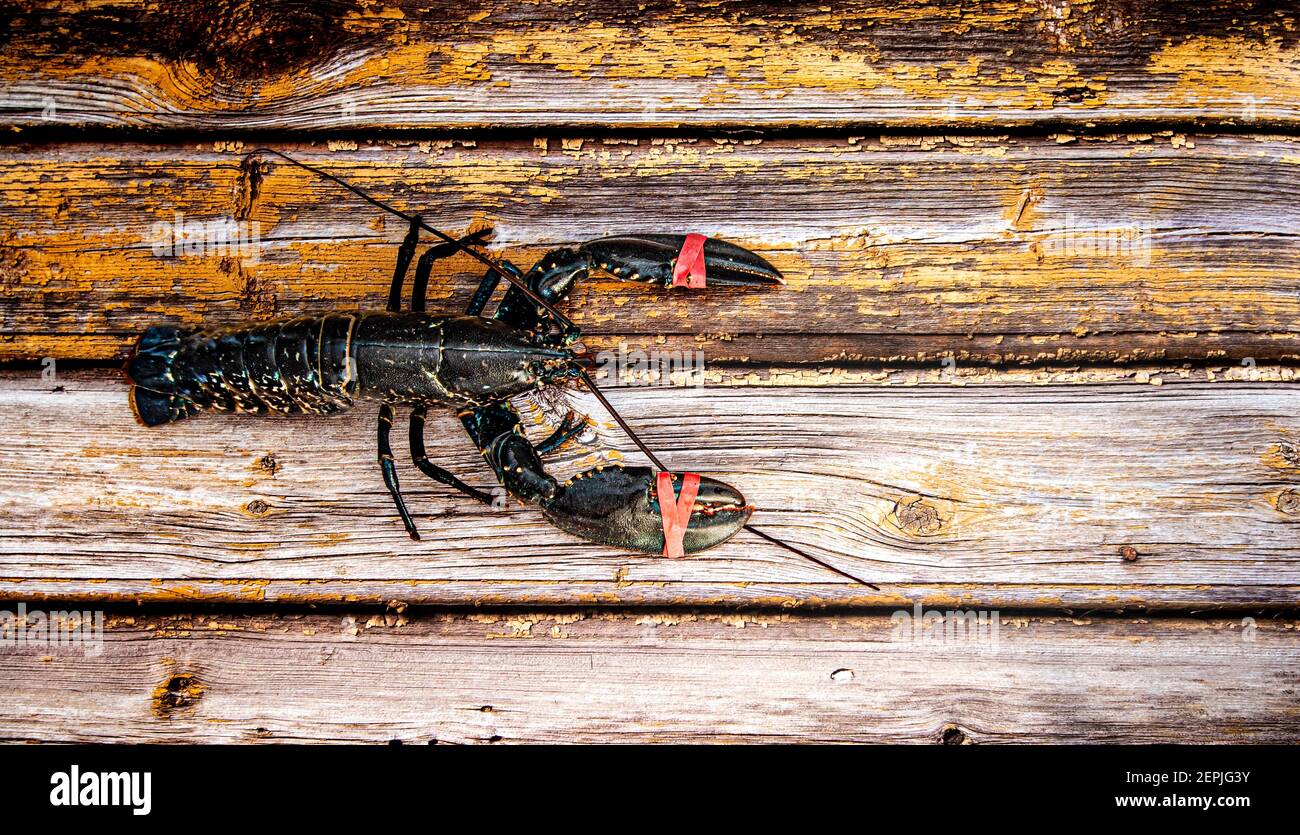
356 66
657 676
1003 250
977 491
1036 354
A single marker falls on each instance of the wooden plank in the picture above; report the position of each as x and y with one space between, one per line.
978 491
1110 249
657 676
352 65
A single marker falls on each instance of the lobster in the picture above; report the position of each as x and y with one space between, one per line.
474 364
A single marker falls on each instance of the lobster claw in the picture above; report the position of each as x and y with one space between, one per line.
618 506
652 258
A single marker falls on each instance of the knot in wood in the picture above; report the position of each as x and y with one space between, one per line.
1288 502
917 517
1288 454
242 42
178 694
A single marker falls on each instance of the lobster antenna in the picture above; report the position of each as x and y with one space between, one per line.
809 557
609 407
564 321
654 459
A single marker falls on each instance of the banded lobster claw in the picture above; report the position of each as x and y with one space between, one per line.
618 506
666 260
653 259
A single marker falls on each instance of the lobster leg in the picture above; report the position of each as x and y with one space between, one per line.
404 255
423 267
570 428
386 463
390 469
431 469
418 290
488 286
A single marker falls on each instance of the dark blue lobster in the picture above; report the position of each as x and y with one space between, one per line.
472 363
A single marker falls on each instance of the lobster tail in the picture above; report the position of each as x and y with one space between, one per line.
288 366
155 396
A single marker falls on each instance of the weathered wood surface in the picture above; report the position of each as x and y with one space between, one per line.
1149 265
990 493
655 676
1117 248
345 65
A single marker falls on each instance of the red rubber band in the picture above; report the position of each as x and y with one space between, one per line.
689 269
676 512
